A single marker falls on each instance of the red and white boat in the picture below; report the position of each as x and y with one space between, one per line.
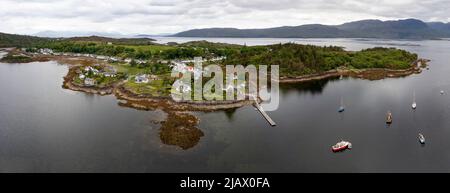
341 146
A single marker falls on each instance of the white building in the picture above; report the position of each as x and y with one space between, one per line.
91 69
102 57
109 74
46 51
114 59
182 87
141 78
89 82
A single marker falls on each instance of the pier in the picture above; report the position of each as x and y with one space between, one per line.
263 113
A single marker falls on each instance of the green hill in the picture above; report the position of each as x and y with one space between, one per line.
12 40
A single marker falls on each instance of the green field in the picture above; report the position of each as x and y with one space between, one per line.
149 48
154 88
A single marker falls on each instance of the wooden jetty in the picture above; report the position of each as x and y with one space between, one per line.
263 113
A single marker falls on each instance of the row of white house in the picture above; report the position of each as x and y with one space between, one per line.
47 51
185 88
108 71
145 78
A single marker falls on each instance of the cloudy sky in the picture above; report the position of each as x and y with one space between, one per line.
170 16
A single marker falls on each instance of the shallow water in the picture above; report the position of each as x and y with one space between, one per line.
44 128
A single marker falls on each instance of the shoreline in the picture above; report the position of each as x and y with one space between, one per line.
150 102
68 84
144 102
368 74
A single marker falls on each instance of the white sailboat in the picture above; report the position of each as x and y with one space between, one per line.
421 138
414 104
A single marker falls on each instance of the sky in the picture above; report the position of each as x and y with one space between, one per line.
171 16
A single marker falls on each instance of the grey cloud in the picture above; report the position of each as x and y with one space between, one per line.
161 16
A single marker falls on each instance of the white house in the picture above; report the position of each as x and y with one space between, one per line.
141 78
140 61
182 87
128 60
46 51
102 57
93 70
113 59
109 74
178 66
89 82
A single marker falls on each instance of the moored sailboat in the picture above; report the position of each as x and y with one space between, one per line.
421 138
341 108
389 118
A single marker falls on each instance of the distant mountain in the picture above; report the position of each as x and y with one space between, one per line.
68 34
398 29
441 27
128 41
307 31
409 28
152 35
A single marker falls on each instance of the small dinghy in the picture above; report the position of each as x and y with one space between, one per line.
341 146
421 138
414 104
389 118
341 108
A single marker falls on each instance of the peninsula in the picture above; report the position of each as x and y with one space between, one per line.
138 71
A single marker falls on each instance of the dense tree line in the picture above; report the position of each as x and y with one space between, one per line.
293 59
11 40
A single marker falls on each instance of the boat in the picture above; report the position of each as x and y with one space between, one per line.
442 92
341 146
414 104
389 118
421 138
341 108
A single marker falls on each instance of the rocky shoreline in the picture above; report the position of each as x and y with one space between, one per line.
69 84
130 99
146 102
369 74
